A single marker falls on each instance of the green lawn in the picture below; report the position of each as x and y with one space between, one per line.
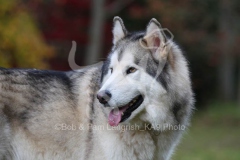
213 135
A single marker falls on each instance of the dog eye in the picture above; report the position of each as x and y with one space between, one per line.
131 70
111 70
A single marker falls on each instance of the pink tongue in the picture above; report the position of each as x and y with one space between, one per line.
115 116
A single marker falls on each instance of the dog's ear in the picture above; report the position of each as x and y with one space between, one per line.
119 30
154 39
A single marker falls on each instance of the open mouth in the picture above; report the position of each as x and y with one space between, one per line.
122 113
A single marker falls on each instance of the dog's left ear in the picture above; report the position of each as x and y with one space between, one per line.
154 39
119 30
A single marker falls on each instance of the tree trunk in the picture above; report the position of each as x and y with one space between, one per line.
226 67
96 31
239 81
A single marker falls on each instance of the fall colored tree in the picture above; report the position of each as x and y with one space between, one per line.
207 31
21 42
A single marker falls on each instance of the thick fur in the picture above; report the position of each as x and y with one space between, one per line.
36 106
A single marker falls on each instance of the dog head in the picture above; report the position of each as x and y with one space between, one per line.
135 74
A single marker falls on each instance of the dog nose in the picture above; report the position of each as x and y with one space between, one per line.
104 96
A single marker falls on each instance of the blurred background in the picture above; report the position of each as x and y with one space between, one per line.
39 34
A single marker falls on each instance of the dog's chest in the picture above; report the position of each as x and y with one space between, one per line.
128 145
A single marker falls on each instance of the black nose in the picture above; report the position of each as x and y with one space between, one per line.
104 96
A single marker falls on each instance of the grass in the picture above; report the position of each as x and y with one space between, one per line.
214 134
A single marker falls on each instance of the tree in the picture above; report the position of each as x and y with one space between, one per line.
96 31
21 42
207 31
99 13
227 65
239 83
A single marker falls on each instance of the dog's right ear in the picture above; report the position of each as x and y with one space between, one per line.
119 30
155 39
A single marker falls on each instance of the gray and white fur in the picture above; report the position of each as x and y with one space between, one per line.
50 115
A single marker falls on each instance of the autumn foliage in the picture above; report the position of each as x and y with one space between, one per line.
21 42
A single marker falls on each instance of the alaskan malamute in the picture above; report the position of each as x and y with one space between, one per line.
133 106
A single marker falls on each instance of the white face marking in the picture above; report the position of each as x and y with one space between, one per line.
122 86
125 87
